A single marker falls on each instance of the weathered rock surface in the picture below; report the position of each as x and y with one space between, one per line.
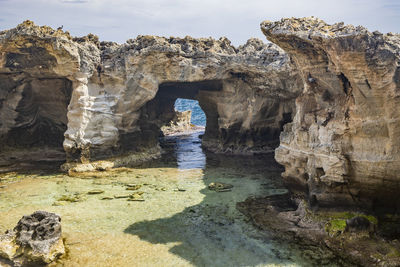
118 96
343 146
181 122
332 238
40 70
36 240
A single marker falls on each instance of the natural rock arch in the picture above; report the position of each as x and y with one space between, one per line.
341 148
160 110
113 87
256 87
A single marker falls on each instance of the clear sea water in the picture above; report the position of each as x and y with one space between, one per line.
198 116
180 222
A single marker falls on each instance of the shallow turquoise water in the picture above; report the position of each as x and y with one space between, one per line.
180 223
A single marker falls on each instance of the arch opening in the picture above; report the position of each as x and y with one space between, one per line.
233 124
188 118
198 117
159 111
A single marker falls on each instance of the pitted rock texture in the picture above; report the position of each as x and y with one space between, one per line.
343 146
119 96
40 226
35 240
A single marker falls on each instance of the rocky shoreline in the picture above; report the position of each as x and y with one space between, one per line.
323 98
342 147
353 237
156 214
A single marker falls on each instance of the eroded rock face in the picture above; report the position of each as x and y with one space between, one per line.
343 145
40 70
118 96
35 240
140 81
180 123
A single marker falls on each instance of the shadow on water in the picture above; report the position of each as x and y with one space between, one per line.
214 233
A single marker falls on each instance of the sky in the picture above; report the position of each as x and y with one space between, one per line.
239 20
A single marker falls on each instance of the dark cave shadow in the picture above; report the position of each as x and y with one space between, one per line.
207 233
38 168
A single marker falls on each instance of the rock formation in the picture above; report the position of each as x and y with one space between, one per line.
80 100
105 100
181 122
40 70
343 146
36 240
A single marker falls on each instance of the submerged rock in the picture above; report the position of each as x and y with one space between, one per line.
95 192
345 237
122 196
220 187
358 223
136 197
35 240
76 197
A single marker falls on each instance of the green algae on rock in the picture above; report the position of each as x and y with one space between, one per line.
75 197
335 227
220 187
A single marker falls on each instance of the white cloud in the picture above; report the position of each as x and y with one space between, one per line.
239 20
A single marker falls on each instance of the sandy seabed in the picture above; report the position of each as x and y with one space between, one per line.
180 222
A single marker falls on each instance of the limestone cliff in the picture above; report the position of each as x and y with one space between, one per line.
102 100
40 70
343 144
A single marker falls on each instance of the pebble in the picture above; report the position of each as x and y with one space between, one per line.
136 197
181 190
106 198
220 187
161 189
